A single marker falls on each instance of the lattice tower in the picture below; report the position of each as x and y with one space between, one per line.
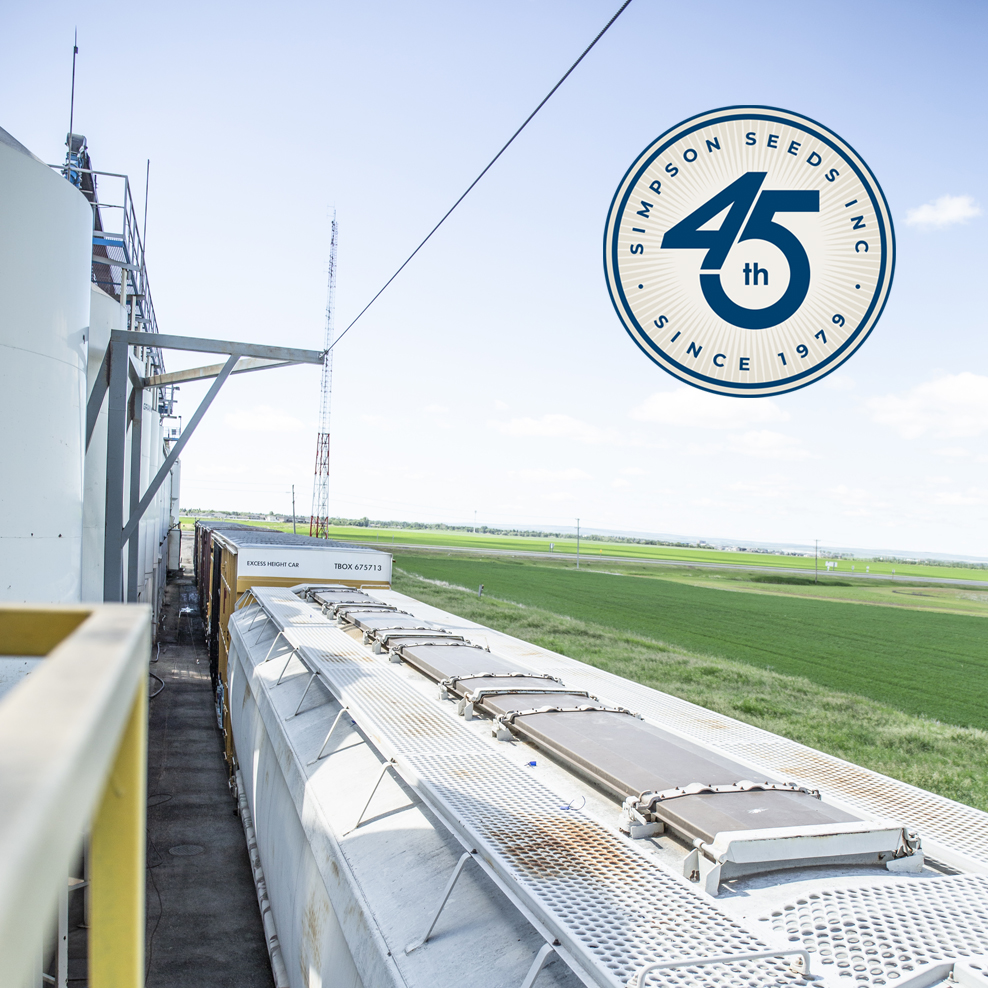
319 522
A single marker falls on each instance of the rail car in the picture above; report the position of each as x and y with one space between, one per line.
230 558
431 802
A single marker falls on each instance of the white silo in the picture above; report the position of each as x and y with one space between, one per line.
105 315
174 535
45 270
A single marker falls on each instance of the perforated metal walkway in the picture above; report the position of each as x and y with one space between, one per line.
952 832
612 908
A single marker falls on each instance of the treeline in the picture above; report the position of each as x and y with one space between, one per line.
954 564
532 533
421 526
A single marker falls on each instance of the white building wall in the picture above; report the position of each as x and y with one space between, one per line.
174 519
105 314
155 524
158 533
45 270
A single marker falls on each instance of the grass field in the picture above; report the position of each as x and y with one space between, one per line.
882 673
396 538
939 757
925 663
904 594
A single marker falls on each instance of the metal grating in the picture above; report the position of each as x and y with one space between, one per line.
953 825
408 722
881 935
619 906
961 827
607 901
643 763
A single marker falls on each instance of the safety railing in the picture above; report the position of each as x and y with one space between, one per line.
73 762
119 266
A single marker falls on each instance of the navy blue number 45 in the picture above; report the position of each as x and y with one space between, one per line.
761 225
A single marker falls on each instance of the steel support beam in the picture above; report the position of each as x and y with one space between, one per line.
133 547
245 366
176 450
160 341
116 439
96 396
135 372
112 262
115 370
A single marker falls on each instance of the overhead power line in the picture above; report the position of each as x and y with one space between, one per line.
528 120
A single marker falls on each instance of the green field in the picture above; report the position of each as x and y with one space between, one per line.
882 673
925 663
884 593
939 757
403 537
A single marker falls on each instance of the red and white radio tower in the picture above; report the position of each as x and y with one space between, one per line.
319 522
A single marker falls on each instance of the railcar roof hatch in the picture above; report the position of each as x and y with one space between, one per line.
736 825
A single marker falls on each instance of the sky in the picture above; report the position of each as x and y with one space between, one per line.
493 380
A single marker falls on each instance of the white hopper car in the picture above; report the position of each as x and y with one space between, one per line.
433 803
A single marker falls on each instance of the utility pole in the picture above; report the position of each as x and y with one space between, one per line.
293 511
816 558
577 543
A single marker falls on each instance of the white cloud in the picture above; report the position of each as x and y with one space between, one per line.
952 452
633 472
851 495
700 409
500 405
620 482
573 473
955 405
438 416
945 211
263 418
557 427
858 502
770 445
957 499
840 382
772 487
761 443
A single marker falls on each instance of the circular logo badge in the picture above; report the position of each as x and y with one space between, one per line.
749 251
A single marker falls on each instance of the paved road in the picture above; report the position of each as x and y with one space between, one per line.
592 558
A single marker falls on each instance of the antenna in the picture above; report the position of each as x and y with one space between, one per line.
75 51
319 521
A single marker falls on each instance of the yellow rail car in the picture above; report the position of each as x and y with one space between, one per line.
231 558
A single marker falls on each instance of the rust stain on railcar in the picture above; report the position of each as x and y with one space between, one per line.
551 848
313 930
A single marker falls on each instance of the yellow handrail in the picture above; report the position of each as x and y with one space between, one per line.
73 757
116 861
